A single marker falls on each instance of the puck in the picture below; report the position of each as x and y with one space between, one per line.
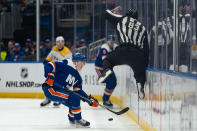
110 119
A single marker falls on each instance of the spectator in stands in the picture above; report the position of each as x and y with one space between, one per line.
69 45
77 41
29 50
89 41
83 42
48 47
42 50
3 52
18 54
28 43
30 53
10 48
11 45
45 48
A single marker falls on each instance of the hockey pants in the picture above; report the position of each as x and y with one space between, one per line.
66 98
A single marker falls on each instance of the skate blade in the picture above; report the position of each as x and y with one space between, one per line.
80 126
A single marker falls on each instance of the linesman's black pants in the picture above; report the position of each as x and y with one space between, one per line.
130 56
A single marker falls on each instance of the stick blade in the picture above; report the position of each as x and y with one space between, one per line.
122 111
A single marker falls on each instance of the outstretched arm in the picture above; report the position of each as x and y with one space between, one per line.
113 16
116 10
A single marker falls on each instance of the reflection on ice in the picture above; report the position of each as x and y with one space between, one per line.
26 115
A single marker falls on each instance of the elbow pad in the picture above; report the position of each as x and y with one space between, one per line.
50 79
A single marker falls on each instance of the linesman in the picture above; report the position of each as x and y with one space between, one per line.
133 47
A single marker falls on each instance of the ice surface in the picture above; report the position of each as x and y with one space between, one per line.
27 115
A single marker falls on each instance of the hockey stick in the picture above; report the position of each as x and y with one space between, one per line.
117 113
85 98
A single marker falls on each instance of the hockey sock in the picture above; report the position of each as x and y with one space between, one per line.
71 116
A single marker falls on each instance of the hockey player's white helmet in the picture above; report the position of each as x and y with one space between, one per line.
59 38
60 42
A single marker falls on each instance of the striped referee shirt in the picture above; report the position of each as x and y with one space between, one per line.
128 29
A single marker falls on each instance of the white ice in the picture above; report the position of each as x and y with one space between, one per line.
26 115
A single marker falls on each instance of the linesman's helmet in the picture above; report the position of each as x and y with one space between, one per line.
132 13
79 57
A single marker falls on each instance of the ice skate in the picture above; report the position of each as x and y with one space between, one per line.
72 124
141 91
104 75
108 104
45 102
82 123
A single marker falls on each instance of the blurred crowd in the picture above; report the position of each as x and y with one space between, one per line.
14 51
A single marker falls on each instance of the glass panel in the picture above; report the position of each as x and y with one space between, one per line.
185 34
171 102
164 30
99 19
165 11
64 22
194 44
17 30
46 40
83 25
151 29
169 33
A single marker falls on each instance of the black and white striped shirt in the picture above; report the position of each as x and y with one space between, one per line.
128 29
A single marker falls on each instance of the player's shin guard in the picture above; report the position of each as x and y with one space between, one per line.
106 96
77 112
71 116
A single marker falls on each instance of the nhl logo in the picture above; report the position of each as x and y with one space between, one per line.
24 72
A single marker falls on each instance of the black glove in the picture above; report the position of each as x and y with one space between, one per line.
45 84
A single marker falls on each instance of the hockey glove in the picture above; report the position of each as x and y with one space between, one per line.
50 79
92 101
45 85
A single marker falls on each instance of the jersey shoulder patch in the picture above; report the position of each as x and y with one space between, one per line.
104 52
